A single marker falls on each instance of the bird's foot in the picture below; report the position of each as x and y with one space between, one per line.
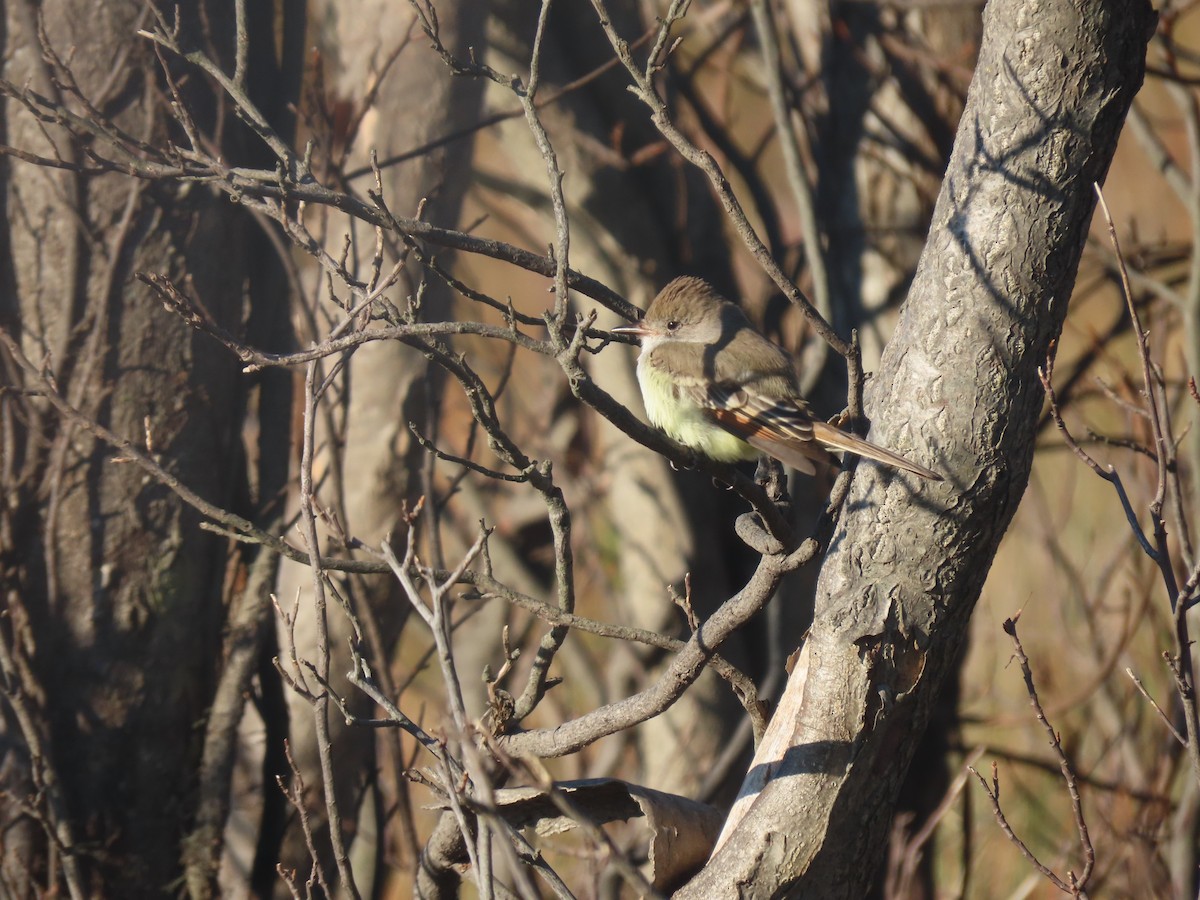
687 466
841 420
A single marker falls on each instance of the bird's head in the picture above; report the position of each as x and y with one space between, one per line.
688 310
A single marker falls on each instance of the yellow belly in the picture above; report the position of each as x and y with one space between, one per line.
685 422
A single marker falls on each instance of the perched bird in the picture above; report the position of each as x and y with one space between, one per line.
717 386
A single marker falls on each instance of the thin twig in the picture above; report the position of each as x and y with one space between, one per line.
632 875
993 792
1108 473
56 821
1156 414
802 192
643 87
554 176
1181 663
682 671
320 705
1137 682
1068 771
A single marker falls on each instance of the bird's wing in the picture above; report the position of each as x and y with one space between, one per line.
782 427
762 406
783 418
779 427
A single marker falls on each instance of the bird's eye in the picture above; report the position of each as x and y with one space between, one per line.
673 325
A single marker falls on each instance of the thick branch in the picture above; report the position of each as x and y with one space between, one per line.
960 375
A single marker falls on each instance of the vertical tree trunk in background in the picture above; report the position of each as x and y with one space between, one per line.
882 141
958 385
622 229
391 385
112 592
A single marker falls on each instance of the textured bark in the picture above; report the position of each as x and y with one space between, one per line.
112 591
882 144
957 388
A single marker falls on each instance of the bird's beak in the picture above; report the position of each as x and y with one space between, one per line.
638 330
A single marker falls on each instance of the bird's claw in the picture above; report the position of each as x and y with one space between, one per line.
687 466
841 419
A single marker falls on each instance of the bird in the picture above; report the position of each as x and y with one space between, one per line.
714 384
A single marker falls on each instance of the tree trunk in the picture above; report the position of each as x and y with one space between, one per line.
958 389
883 144
113 594
388 385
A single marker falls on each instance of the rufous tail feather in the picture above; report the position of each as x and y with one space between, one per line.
838 440
794 453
